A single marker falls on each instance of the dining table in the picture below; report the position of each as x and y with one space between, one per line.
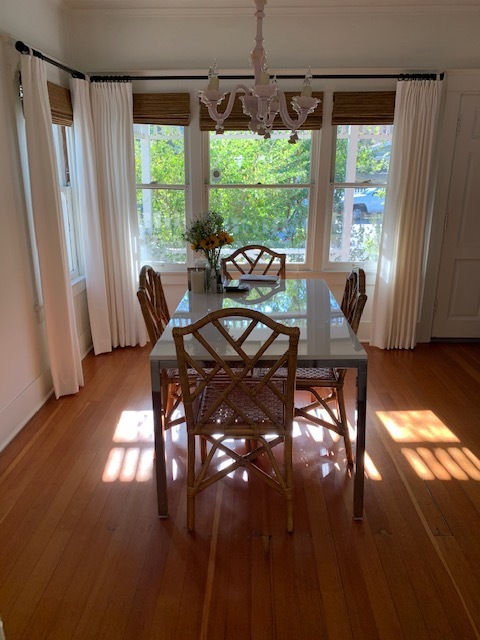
326 340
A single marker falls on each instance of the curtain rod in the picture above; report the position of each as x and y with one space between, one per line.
24 49
396 76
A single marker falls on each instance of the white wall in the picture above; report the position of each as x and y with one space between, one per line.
38 23
25 380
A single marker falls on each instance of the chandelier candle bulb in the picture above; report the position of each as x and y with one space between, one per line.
213 83
306 91
264 78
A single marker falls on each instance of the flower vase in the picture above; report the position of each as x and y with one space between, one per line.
214 279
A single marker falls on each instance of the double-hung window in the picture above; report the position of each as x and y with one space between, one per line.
359 176
263 188
161 187
63 141
160 121
359 188
62 121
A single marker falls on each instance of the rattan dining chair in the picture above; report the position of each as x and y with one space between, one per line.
229 408
254 258
153 303
156 315
326 384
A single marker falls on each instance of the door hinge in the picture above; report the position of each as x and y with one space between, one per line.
435 305
458 127
445 222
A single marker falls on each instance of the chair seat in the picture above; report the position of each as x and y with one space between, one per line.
325 374
308 375
267 413
173 374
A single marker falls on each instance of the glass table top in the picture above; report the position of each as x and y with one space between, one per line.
325 335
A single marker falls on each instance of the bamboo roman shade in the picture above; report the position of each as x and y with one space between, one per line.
161 108
363 107
60 104
237 120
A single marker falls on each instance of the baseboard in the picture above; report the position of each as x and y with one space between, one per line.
16 415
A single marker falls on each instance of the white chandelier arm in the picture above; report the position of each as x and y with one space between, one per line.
212 104
293 125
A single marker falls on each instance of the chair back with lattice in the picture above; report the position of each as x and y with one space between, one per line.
239 402
254 259
152 300
353 303
354 298
231 404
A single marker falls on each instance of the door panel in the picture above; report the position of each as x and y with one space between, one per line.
458 292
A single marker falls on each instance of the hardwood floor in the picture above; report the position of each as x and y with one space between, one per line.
84 556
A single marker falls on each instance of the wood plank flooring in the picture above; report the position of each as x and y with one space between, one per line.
84 556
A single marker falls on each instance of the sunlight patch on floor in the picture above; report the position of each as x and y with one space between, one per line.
371 471
416 426
428 461
134 426
129 464
132 459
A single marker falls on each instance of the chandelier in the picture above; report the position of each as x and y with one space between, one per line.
265 99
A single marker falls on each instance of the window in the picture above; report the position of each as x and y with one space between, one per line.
62 137
161 189
359 187
263 188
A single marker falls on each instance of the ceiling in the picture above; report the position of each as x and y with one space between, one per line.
109 35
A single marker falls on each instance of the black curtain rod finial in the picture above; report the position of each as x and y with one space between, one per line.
21 47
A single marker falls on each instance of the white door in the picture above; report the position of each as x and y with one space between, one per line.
458 292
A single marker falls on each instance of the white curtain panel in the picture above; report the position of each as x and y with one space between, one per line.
84 180
61 331
402 252
112 110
